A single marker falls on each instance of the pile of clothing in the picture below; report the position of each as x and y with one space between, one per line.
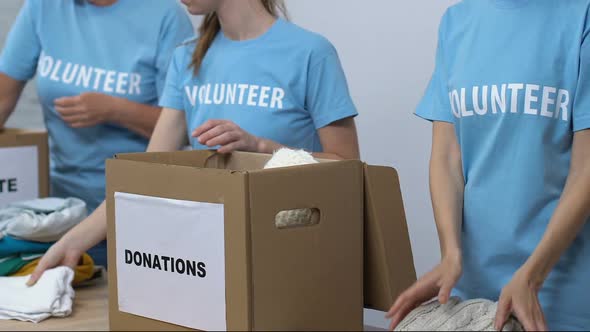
27 230
456 315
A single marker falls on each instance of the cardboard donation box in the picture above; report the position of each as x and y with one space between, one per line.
24 165
196 241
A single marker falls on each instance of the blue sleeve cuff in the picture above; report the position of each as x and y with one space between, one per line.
15 74
432 118
336 115
173 103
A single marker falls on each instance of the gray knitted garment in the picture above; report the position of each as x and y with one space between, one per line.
472 315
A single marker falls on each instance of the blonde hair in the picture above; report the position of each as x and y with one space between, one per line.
211 26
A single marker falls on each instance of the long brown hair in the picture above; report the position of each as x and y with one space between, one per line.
211 26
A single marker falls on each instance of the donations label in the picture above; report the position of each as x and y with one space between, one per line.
19 174
169 253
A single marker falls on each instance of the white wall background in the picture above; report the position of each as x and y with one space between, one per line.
387 50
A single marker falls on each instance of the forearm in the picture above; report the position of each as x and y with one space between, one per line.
6 108
169 133
447 188
139 118
569 218
268 146
339 141
10 91
446 191
88 233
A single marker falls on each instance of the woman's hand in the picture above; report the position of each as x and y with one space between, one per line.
86 110
520 297
227 135
438 282
60 254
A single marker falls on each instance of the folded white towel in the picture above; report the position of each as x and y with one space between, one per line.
52 296
41 220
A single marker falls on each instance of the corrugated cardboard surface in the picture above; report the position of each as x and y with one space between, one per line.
264 289
304 278
21 137
179 182
389 266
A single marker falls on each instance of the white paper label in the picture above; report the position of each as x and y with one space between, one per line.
19 174
171 260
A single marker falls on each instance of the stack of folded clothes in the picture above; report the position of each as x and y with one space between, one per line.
28 229
51 296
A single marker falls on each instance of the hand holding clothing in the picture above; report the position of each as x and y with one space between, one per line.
438 282
60 254
521 298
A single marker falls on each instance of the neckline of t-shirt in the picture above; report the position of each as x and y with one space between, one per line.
263 36
108 8
509 4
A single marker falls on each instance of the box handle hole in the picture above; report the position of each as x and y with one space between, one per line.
297 218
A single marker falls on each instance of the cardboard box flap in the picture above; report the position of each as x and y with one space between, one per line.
22 136
242 161
389 265
236 161
181 158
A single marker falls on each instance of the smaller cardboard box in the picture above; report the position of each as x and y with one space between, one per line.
24 165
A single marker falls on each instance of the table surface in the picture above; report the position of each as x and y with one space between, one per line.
90 313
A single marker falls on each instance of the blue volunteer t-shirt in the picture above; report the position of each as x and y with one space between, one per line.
73 47
513 77
282 86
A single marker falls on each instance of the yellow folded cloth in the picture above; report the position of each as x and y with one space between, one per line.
82 272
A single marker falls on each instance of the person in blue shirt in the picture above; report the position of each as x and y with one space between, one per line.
510 164
253 82
100 68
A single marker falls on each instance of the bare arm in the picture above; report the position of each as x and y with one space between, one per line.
447 187
169 135
10 91
520 295
569 217
446 190
92 108
339 141
170 132
139 118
